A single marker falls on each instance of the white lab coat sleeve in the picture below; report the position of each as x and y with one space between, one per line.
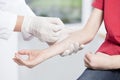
7 24
27 12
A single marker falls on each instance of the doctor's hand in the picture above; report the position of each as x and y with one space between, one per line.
72 49
74 46
43 28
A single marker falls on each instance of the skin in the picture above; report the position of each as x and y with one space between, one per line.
51 20
19 24
102 61
84 36
99 60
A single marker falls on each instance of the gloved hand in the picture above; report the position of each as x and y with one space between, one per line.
44 28
64 33
73 48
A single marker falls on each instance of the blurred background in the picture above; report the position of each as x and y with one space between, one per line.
74 13
68 10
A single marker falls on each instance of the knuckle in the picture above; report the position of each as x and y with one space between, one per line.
93 64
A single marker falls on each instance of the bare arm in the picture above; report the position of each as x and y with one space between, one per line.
95 61
91 28
18 24
82 36
115 61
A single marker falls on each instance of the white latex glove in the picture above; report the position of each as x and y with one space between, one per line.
65 32
73 48
44 28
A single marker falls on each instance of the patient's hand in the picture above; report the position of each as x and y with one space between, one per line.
98 61
34 58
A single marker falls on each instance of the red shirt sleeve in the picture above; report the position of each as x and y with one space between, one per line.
98 4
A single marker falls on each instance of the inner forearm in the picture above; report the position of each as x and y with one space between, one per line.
81 36
56 49
93 24
65 44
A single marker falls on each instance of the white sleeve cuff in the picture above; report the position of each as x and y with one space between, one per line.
7 24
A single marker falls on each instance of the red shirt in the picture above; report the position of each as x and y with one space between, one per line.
111 11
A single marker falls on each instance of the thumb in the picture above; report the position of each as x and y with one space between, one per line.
57 28
56 21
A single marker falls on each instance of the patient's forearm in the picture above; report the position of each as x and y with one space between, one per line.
83 36
115 61
88 33
56 49
63 45
93 24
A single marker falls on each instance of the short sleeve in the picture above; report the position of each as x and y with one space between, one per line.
98 4
7 24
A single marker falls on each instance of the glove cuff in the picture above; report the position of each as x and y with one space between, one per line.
25 30
69 52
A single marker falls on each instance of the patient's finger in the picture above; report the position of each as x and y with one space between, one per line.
19 60
24 52
15 60
17 55
27 63
86 62
88 56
